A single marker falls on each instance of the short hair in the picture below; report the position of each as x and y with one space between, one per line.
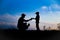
37 13
23 14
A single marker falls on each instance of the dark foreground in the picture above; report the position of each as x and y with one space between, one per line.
20 35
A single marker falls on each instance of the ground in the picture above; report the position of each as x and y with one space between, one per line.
16 34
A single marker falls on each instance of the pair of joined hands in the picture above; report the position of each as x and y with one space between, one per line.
32 18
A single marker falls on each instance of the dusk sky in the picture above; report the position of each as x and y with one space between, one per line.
11 10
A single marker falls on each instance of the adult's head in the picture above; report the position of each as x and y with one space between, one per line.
23 15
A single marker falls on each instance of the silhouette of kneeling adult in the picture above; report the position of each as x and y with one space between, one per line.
22 23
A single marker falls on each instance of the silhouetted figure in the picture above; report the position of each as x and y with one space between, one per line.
37 20
22 23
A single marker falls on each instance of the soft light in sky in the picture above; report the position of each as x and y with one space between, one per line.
11 10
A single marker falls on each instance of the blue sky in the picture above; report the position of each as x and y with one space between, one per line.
10 10
15 6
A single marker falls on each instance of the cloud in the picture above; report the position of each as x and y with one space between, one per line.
55 7
8 19
44 7
52 15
